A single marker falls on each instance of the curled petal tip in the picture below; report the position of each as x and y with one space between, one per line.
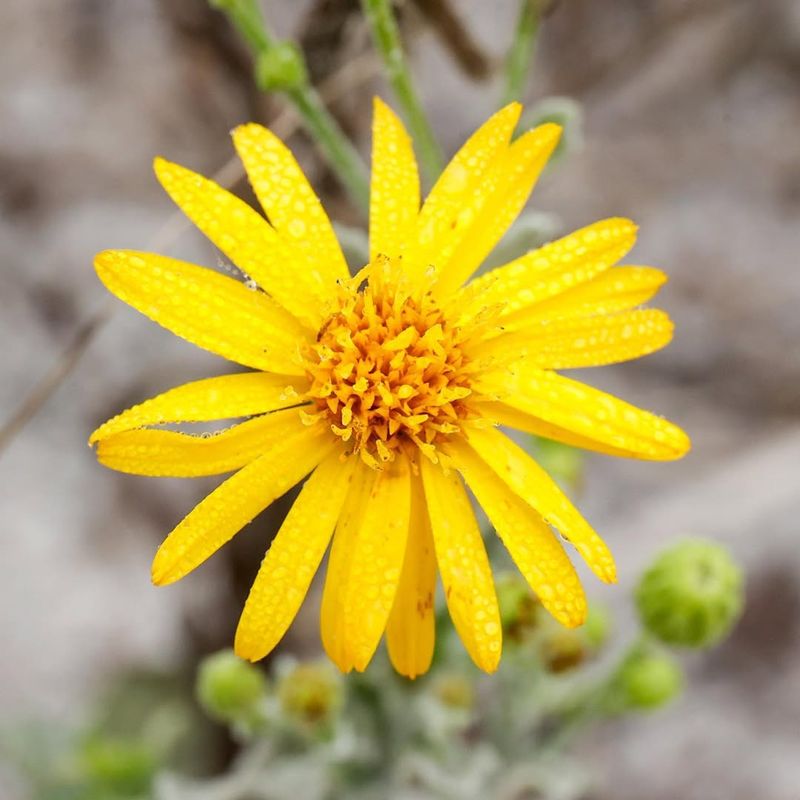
609 576
161 574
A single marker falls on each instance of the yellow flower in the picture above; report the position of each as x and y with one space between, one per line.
386 389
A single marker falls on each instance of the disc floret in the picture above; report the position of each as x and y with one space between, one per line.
388 371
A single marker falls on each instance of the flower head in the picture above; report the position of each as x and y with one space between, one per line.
691 595
311 694
385 390
647 679
230 689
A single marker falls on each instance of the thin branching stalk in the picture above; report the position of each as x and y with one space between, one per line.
386 36
337 149
520 55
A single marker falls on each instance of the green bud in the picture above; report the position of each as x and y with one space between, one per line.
311 694
118 766
597 627
280 66
454 691
562 649
691 595
647 680
229 689
520 610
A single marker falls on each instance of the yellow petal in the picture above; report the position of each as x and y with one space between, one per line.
505 189
147 451
394 187
221 515
551 405
503 414
223 397
463 565
292 559
210 310
290 203
489 449
533 546
249 241
457 196
332 619
581 342
616 289
549 270
367 580
410 632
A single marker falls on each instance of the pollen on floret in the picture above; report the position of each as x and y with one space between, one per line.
387 370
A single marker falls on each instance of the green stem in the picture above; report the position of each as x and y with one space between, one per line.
245 15
339 152
386 37
337 148
520 55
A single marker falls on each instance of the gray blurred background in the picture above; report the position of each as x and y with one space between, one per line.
692 113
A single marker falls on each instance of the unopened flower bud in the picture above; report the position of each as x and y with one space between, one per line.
597 627
562 649
520 609
648 680
691 595
121 767
281 66
455 691
310 694
229 689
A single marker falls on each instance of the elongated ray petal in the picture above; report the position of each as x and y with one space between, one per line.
375 562
502 414
451 207
147 451
332 619
250 242
533 546
599 421
505 190
293 558
394 187
530 482
582 342
224 397
290 203
549 270
464 566
617 289
221 515
210 310
410 631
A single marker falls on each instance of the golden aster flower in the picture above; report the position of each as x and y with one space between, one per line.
386 390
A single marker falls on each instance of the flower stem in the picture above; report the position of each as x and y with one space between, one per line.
292 79
337 148
245 15
520 55
386 37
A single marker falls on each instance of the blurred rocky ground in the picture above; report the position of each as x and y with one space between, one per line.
692 112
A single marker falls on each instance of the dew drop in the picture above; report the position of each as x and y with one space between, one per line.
296 228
